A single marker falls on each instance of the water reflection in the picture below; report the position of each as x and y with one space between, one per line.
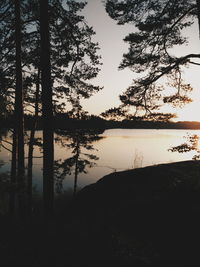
4 190
80 142
32 142
4 143
79 156
84 156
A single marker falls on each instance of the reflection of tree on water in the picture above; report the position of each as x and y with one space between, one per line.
4 143
76 140
8 143
10 146
4 189
192 144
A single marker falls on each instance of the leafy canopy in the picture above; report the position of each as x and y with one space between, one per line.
158 28
74 56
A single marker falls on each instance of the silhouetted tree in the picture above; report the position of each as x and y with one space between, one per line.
158 28
19 111
114 114
32 143
121 113
47 109
79 142
13 173
12 88
75 60
73 55
192 144
161 117
4 189
7 54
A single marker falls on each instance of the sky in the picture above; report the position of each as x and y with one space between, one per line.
110 36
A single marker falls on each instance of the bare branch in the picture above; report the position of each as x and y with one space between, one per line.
6 142
6 148
194 63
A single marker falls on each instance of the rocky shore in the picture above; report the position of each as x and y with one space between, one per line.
148 216
143 217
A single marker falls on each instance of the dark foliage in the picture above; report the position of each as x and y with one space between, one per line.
158 28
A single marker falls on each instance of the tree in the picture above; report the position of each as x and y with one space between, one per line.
114 114
159 28
47 109
80 142
190 145
19 110
73 57
11 77
32 142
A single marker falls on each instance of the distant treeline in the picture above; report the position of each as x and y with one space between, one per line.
63 121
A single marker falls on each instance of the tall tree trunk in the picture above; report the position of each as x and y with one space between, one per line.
31 145
13 174
76 169
19 113
47 111
75 177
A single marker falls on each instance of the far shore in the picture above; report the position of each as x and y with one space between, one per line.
62 122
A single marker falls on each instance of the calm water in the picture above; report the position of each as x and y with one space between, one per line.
97 155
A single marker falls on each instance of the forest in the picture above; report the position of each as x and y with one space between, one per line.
132 216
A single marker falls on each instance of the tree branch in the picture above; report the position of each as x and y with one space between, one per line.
169 68
175 23
194 63
5 147
6 142
3 15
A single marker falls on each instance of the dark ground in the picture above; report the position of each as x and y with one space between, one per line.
142 217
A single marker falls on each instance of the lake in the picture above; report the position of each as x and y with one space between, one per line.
90 156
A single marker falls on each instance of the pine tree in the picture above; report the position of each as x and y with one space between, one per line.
19 110
158 28
47 109
74 60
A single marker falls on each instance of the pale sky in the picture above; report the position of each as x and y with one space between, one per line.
110 36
